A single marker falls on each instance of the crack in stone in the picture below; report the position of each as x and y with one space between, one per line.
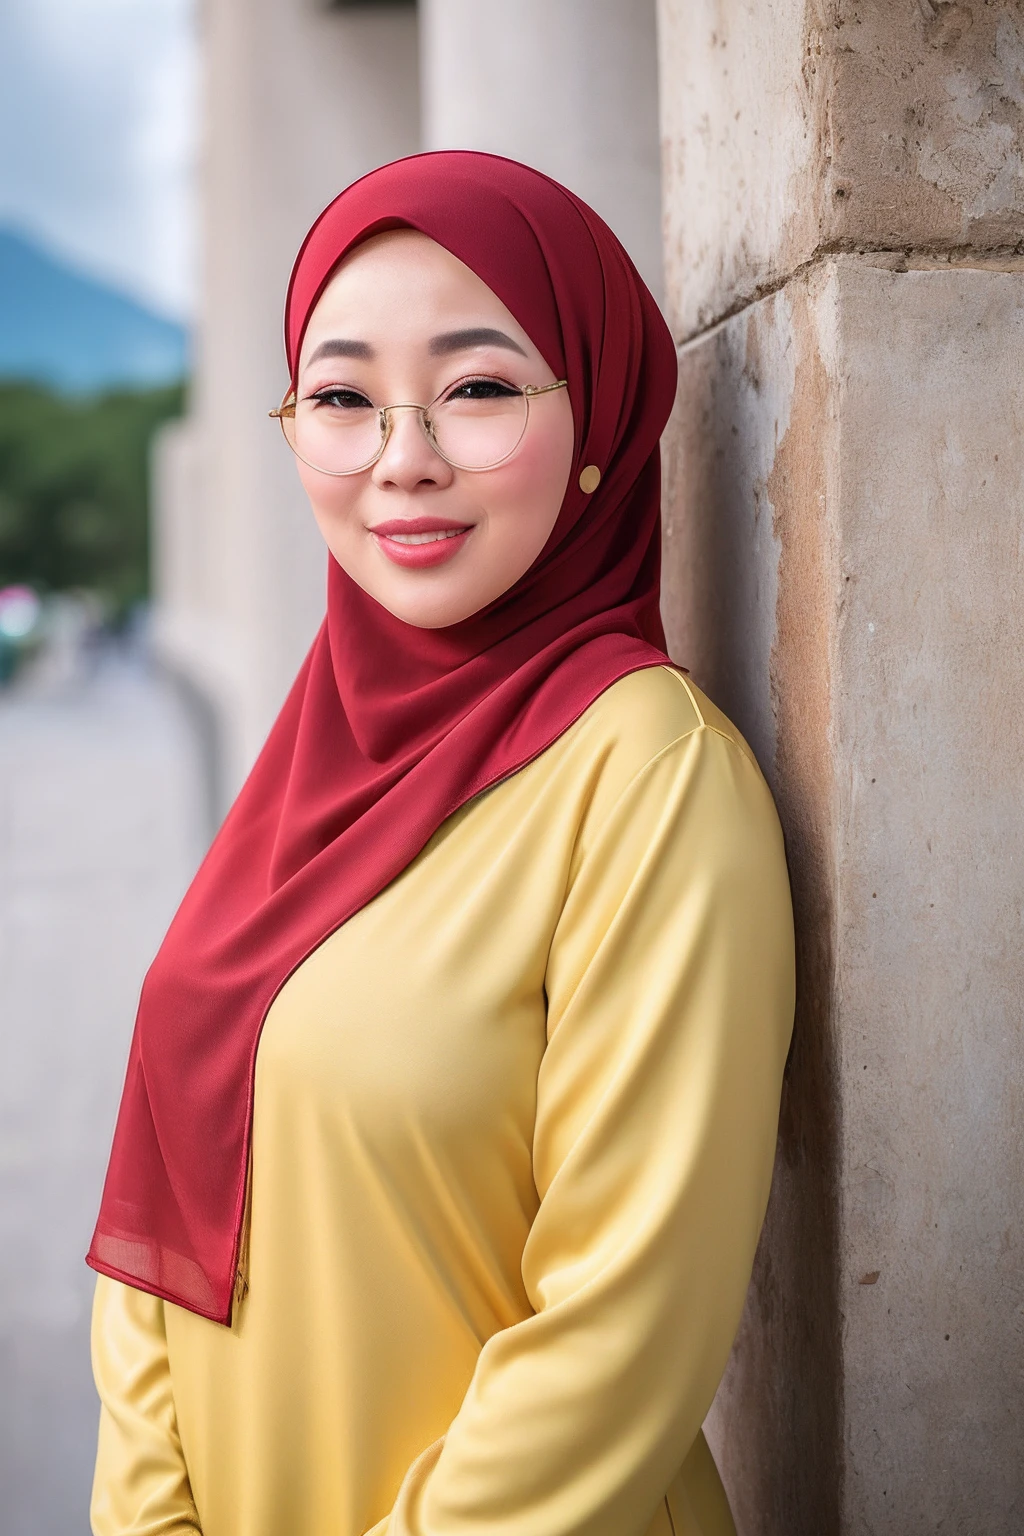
943 255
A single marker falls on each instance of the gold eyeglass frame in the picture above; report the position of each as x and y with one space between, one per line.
287 409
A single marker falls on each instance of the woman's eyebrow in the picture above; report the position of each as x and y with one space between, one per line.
338 346
475 336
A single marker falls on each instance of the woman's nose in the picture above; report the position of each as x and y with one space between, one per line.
409 458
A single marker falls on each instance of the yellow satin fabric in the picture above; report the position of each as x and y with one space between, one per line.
513 1137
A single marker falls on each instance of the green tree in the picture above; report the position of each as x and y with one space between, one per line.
74 488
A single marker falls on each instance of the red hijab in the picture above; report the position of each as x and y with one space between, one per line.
389 728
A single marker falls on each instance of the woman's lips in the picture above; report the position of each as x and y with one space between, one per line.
417 542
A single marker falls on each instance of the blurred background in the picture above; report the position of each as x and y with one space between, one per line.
103 808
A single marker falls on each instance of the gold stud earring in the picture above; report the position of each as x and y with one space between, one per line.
590 478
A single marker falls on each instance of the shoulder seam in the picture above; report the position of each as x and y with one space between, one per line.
681 680
742 746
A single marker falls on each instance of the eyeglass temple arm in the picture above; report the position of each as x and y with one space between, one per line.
543 389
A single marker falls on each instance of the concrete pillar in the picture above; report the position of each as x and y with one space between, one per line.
571 88
300 99
844 568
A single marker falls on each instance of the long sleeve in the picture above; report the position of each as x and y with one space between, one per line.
141 1485
670 1002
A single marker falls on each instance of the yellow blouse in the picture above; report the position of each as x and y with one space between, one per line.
513 1136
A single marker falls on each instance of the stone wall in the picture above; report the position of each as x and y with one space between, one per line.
844 564
825 126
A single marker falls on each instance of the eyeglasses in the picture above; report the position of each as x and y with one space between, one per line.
476 423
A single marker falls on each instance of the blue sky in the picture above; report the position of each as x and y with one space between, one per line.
97 138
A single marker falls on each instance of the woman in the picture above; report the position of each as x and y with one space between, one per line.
504 906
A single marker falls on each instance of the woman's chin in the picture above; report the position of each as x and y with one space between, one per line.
424 610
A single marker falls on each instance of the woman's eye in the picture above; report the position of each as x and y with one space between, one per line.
481 389
342 399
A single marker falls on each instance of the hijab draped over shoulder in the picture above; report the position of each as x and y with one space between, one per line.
389 728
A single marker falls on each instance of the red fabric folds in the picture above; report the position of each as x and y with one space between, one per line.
389 728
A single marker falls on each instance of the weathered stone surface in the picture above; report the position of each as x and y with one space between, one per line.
750 587
743 157
844 566
927 123
819 125
928 747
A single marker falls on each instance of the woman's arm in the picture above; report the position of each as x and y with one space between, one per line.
141 1486
670 990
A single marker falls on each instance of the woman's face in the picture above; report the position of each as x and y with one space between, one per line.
401 320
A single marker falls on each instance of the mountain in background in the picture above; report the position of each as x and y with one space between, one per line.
61 328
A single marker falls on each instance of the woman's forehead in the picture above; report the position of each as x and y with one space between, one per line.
408 261
402 286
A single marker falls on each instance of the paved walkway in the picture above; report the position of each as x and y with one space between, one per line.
102 820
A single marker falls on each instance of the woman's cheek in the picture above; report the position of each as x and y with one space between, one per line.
534 481
333 502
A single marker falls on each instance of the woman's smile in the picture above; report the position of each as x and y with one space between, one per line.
417 542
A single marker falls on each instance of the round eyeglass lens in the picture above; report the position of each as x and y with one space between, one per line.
478 424
335 438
